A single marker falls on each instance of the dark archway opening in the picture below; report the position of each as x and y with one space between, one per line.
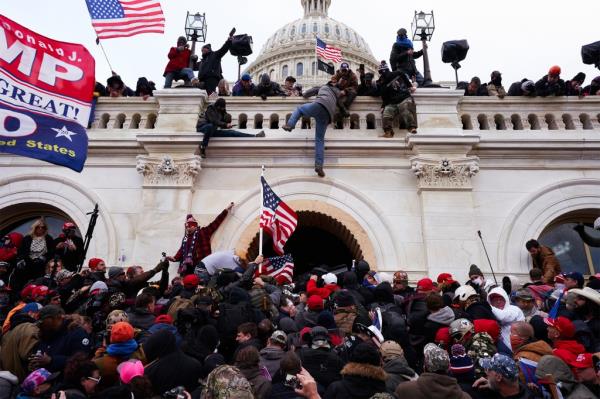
319 240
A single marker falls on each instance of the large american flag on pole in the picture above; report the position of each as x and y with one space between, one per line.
281 268
277 218
328 52
123 18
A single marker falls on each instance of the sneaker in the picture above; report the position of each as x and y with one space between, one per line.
202 152
260 134
287 128
388 134
319 170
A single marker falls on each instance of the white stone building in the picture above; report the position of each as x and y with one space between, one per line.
291 49
514 169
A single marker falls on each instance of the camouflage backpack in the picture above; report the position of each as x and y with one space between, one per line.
227 382
480 346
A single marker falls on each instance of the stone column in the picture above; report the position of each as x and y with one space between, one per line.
443 171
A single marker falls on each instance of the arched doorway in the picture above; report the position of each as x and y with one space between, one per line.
319 240
19 218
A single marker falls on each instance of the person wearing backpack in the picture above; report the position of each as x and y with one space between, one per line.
232 313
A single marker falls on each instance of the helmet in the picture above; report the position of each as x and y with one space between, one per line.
554 70
464 292
460 327
69 225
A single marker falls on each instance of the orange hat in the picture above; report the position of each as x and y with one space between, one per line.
554 70
121 332
564 326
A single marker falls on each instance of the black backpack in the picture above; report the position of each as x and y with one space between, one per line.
241 45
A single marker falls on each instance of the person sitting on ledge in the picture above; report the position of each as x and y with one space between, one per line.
524 88
551 84
178 66
244 87
267 88
216 122
348 85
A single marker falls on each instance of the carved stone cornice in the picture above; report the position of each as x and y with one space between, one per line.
167 172
444 173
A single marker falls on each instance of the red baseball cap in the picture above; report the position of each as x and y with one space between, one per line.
164 319
27 292
315 302
191 281
564 326
39 290
425 284
445 278
583 361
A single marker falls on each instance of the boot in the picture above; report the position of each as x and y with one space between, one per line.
319 170
287 128
260 134
388 132
202 151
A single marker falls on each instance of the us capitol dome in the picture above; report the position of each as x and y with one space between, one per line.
291 49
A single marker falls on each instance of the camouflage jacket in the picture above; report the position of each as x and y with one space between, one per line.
481 345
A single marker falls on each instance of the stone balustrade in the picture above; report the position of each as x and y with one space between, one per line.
177 110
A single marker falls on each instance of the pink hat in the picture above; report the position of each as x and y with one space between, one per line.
130 369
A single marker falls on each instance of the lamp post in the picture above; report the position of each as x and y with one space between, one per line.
422 27
195 31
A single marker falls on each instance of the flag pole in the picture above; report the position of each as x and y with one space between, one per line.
104 52
260 230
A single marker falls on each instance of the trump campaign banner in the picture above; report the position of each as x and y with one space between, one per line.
46 90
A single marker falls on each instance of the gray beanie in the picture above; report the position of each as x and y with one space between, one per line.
115 271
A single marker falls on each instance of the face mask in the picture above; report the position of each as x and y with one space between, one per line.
478 281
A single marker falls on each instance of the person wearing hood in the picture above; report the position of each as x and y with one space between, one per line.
323 109
396 95
329 287
593 89
247 361
523 88
435 381
165 322
178 66
395 365
270 355
505 313
403 57
553 371
162 354
439 316
209 68
362 377
267 88
122 347
574 87
495 87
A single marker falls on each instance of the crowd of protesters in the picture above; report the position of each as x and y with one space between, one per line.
220 329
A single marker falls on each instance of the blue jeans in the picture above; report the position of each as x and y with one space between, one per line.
317 111
211 130
186 74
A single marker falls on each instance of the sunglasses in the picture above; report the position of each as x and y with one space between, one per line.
96 380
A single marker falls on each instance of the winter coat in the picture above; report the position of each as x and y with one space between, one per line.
323 364
141 318
107 365
270 358
261 386
431 385
348 83
240 91
506 316
324 292
17 345
401 60
515 90
359 381
177 60
570 388
532 351
545 89
397 371
9 385
327 96
210 64
437 320
70 259
480 310
416 314
63 344
25 247
394 87
307 318
214 117
270 89
547 261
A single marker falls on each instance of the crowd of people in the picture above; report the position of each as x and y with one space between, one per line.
220 328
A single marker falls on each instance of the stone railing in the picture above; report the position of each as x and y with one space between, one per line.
522 113
176 110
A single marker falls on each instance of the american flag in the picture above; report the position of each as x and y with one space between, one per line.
328 52
281 268
277 218
123 18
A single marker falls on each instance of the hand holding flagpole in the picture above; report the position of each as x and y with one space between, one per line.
260 230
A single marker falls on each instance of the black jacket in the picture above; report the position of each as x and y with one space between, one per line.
210 64
23 251
323 364
401 60
141 318
394 87
544 89
64 344
214 117
359 381
480 310
515 90
70 259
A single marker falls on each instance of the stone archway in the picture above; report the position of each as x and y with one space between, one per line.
319 239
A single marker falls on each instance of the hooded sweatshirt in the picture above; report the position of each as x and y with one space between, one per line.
564 378
506 316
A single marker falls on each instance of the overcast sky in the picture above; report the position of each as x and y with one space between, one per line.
519 38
